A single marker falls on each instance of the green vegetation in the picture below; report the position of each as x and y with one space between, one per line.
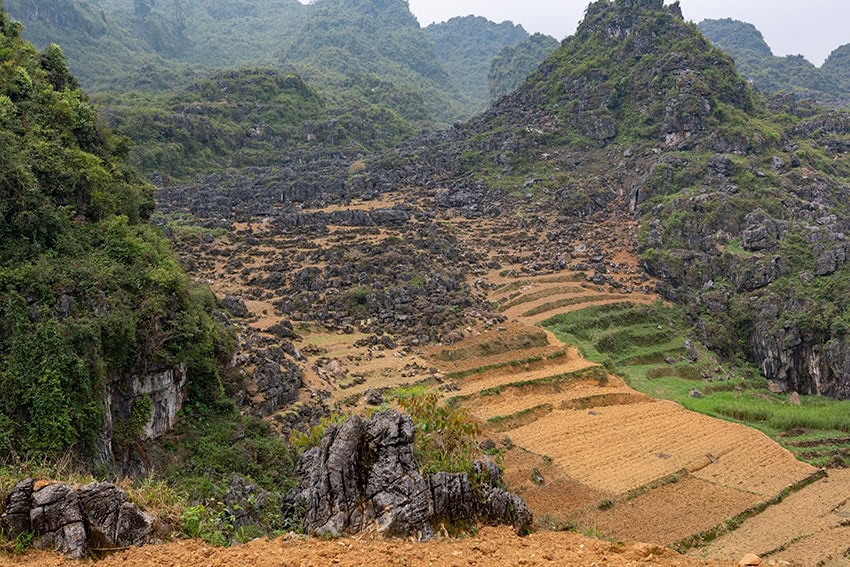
187 495
88 290
647 346
510 68
467 45
772 74
495 346
446 436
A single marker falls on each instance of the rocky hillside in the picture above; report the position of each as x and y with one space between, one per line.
103 338
740 198
773 74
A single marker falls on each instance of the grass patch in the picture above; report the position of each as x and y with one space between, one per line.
498 345
506 303
635 341
594 372
515 363
552 305
503 423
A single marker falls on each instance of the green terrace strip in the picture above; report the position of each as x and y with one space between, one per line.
640 342
568 302
594 372
501 423
707 536
496 346
513 286
528 298
516 363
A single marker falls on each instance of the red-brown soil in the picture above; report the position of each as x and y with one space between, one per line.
496 547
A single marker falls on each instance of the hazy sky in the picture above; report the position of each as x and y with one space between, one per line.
811 27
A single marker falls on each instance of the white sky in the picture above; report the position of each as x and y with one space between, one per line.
811 27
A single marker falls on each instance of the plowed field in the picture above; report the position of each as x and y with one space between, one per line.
619 448
812 514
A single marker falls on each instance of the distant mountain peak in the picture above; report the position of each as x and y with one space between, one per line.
735 36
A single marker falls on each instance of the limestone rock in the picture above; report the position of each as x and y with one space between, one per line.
750 560
374 397
244 501
278 384
57 521
15 519
71 522
113 520
236 306
364 475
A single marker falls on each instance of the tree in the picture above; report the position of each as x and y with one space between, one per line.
143 7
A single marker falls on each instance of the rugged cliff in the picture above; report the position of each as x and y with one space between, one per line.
741 199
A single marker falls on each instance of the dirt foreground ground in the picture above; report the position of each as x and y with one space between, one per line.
491 547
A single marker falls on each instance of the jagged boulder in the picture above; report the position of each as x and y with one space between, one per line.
277 384
245 501
236 306
15 519
364 476
58 522
113 520
73 521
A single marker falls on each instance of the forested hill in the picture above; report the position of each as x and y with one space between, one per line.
92 301
829 84
117 46
466 47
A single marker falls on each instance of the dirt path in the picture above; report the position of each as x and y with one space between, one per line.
492 547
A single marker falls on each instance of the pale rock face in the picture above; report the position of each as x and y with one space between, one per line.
167 391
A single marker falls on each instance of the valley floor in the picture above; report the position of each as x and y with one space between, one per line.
591 455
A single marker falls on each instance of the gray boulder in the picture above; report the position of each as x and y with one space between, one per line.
113 520
236 306
58 522
278 384
364 475
73 522
15 519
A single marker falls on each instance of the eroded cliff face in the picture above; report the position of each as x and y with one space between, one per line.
157 396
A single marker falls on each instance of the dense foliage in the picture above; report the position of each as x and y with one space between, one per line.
772 74
89 292
510 68
256 117
467 45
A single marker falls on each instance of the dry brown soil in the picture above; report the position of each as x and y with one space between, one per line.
496 547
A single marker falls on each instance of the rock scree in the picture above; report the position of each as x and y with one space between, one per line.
364 477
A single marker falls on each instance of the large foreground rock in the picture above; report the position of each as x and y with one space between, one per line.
74 521
364 476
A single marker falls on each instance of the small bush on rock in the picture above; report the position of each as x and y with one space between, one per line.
445 436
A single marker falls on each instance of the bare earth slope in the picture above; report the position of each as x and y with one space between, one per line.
491 547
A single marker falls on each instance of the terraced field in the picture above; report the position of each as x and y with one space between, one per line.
590 452
778 530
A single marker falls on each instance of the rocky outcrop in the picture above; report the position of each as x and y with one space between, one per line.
364 476
73 521
164 390
277 385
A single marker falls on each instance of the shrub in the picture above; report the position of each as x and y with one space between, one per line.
446 436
